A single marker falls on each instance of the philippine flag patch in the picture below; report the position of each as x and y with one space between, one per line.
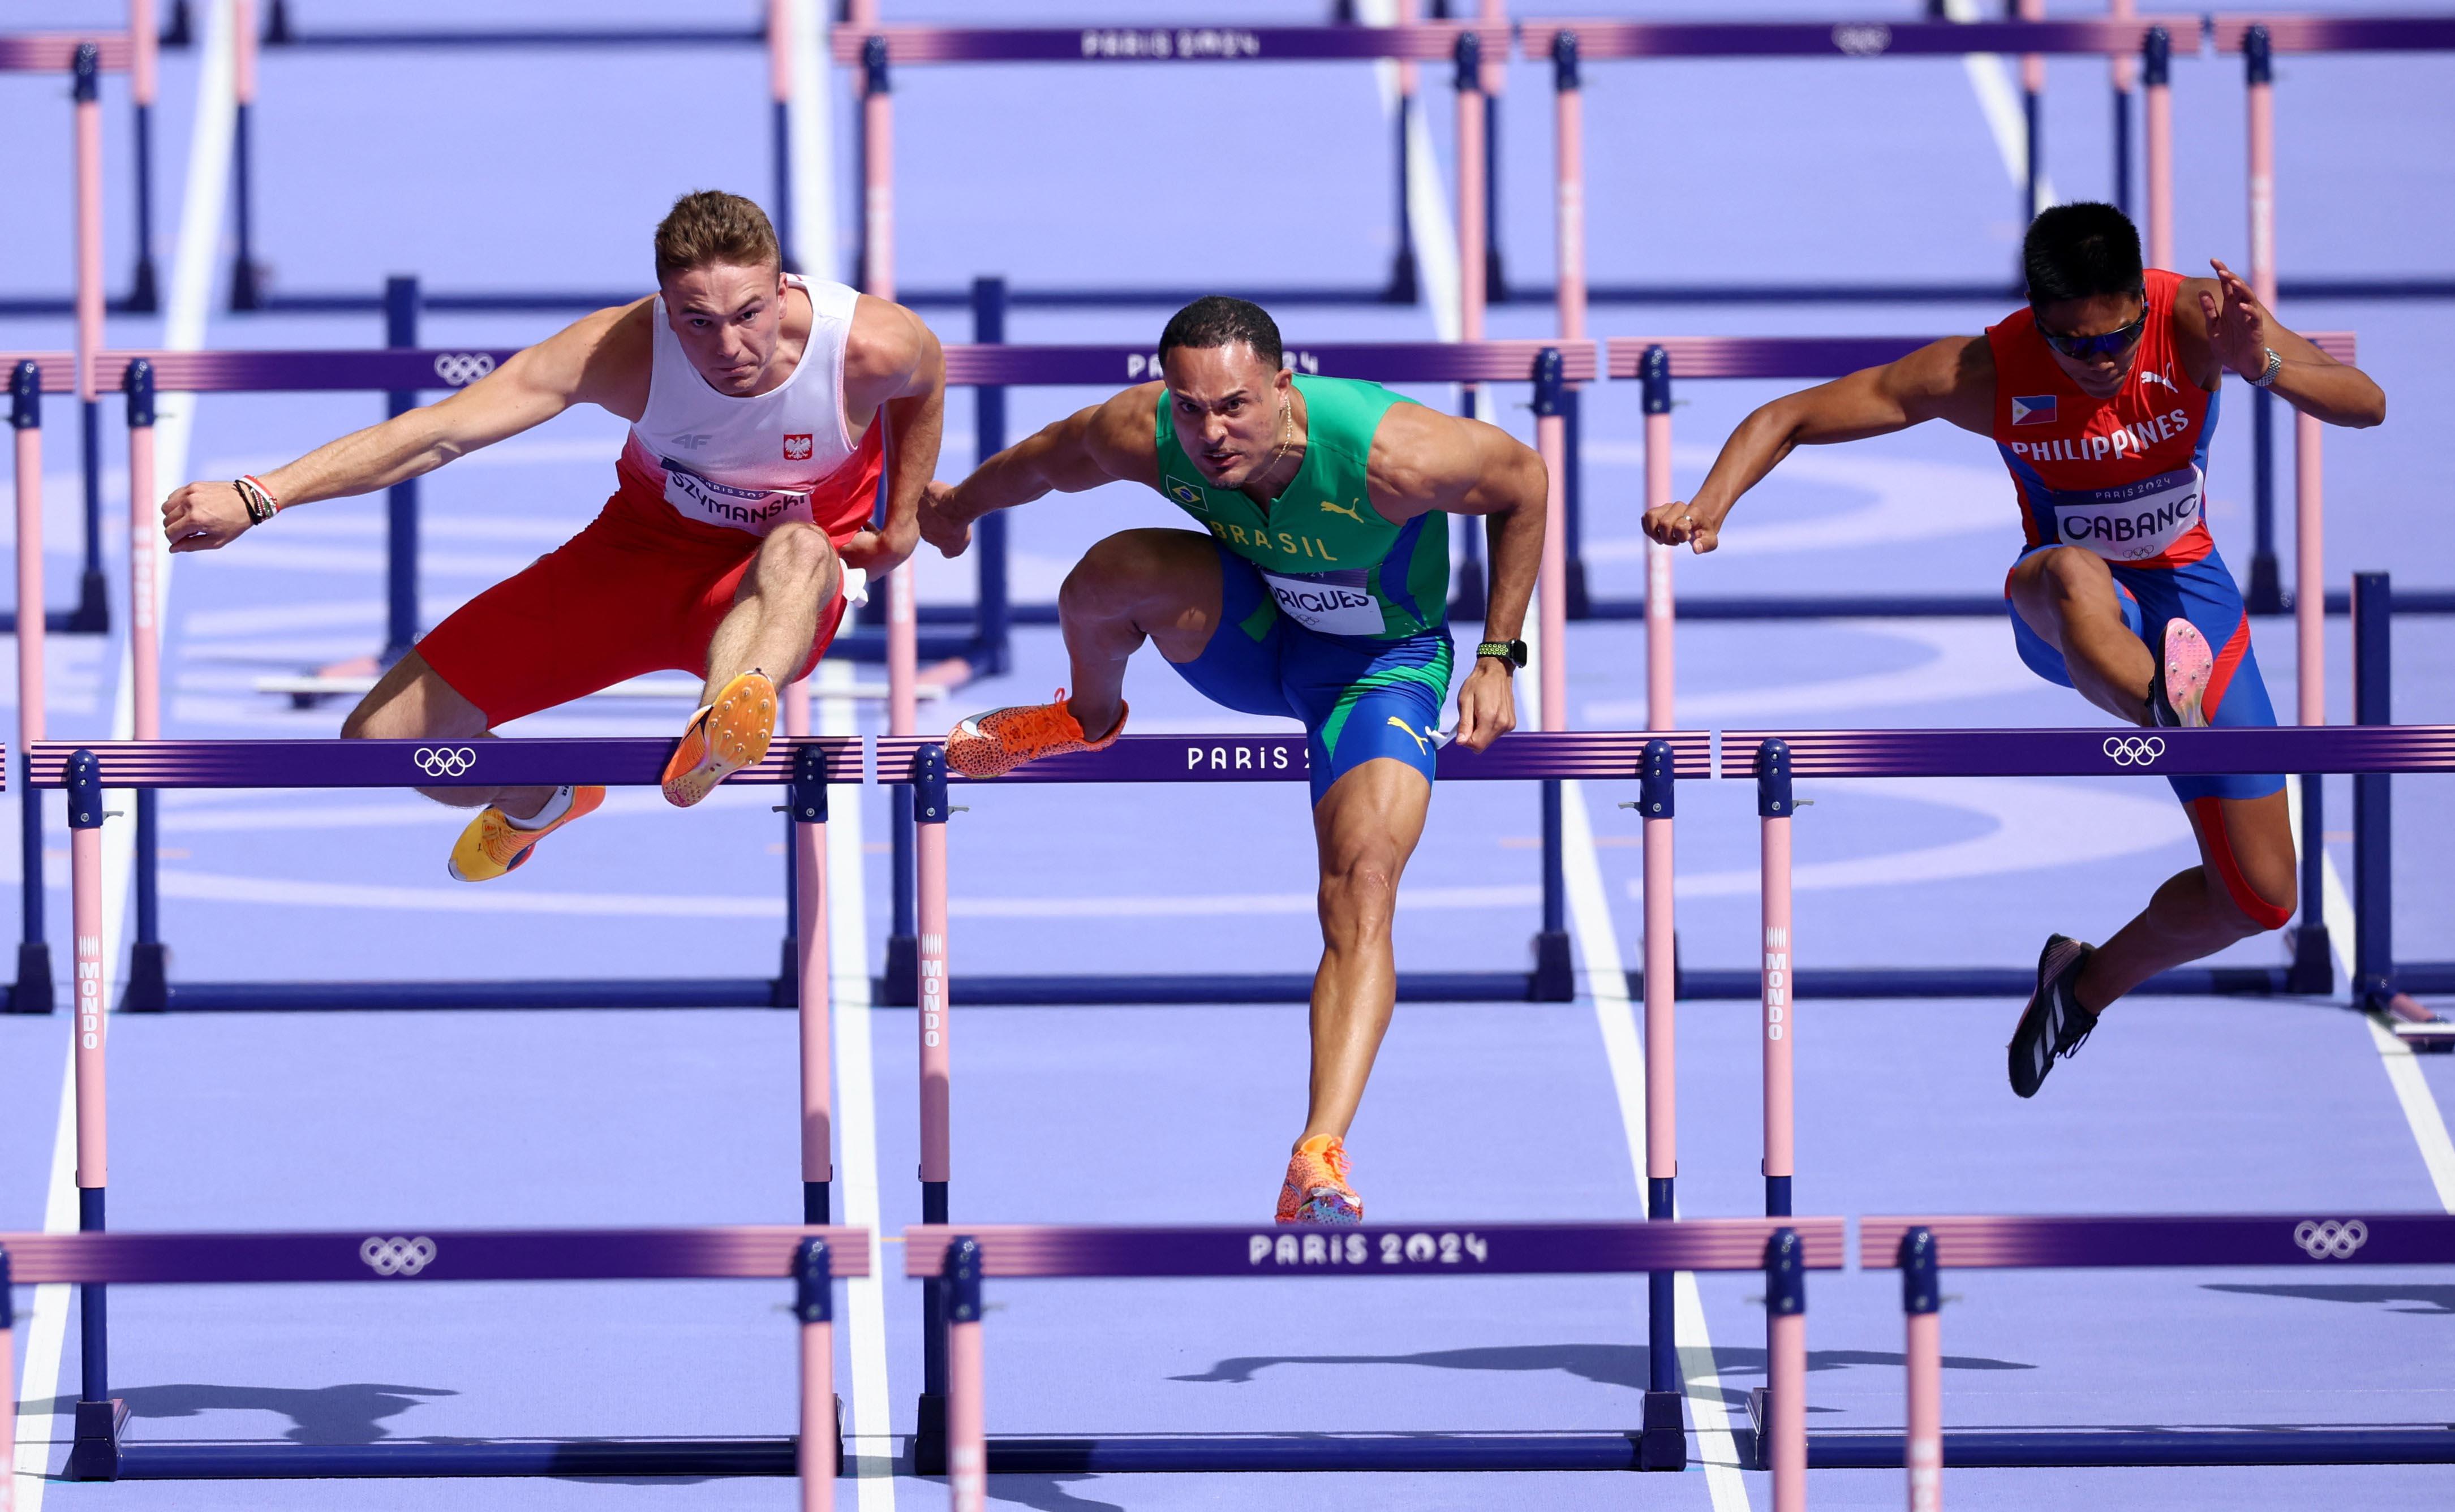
2033 408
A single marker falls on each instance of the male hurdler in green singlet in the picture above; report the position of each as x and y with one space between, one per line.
1317 589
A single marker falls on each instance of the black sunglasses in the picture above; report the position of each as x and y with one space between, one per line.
2113 343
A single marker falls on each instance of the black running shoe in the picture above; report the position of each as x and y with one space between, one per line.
2053 1025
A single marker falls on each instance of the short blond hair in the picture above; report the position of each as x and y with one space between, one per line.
714 226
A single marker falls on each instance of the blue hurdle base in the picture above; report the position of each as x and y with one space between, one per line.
290 997
1969 1450
267 1462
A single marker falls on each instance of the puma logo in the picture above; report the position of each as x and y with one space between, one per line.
1420 749
2149 375
1350 513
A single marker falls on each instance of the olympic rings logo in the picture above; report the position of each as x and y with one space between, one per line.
2134 751
1862 41
462 369
2331 1240
398 1257
444 761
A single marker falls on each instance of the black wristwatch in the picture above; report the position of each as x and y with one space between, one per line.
1511 652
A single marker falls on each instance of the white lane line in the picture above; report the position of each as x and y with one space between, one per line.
1605 978
870 1442
191 279
1999 100
2420 1110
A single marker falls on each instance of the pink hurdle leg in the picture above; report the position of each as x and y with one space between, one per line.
808 803
89 231
814 1446
85 914
1568 199
967 1447
1779 1004
1786 1369
1922 1435
1659 608
2261 156
2158 111
26 394
876 174
1549 438
144 554
2309 573
1663 1443
1470 187
8 1393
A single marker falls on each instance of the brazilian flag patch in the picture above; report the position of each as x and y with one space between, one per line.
1184 493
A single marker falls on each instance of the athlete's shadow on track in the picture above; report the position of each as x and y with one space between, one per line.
2435 1302
1623 1366
353 1413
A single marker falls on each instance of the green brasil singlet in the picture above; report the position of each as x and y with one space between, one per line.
1331 561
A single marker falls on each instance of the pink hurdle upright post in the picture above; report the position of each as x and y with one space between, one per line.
1773 809
1923 1353
1549 439
817 1450
2033 108
1654 371
878 280
2119 73
2156 70
807 805
26 419
143 41
2310 575
1470 226
88 220
1785 1416
780 96
144 554
929 811
95 1454
1568 188
1663 1443
967 1443
246 290
2260 76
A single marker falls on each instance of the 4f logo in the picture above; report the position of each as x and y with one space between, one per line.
798 448
694 441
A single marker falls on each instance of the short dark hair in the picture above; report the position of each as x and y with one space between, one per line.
2079 251
1217 321
714 226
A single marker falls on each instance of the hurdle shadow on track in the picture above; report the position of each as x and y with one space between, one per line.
352 1413
2435 1302
1623 1366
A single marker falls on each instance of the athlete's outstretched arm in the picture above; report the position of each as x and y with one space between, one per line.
582 363
1952 379
2239 330
1115 441
1423 460
893 363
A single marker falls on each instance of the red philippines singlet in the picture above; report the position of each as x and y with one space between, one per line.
2125 477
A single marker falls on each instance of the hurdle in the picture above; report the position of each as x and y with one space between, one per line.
958 1261
1548 756
813 1258
1919 1247
83 770
85 60
1571 42
875 50
250 287
2381 984
2258 39
135 51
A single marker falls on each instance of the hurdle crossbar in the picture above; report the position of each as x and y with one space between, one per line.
814 1258
1921 1247
959 1260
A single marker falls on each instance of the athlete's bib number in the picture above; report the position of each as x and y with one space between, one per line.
1333 603
756 511
2134 522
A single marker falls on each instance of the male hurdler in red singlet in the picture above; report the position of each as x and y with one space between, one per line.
758 401
2102 396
